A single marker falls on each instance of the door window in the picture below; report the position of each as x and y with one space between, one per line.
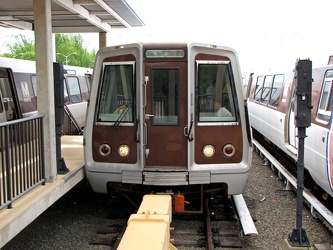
165 100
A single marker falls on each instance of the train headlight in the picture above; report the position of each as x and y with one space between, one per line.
228 150
123 150
208 151
105 149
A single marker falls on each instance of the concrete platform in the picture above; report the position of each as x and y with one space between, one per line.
28 207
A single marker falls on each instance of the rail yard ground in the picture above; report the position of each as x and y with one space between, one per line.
73 220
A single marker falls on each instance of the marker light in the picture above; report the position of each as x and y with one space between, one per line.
123 150
208 151
228 150
105 149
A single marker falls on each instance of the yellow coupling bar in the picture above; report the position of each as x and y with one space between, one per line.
149 228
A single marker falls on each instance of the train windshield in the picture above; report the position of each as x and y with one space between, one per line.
116 93
215 92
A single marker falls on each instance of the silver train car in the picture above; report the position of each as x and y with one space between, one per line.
18 89
271 113
167 114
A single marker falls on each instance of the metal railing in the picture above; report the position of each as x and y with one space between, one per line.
22 160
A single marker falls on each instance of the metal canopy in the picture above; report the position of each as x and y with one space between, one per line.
71 16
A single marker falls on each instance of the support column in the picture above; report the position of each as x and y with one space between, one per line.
44 78
102 40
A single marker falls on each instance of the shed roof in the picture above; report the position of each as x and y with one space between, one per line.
72 16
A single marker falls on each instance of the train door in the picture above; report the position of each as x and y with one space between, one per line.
8 96
3 117
166 114
292 135
289 94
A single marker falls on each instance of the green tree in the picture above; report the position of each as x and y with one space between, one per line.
69 49
22 48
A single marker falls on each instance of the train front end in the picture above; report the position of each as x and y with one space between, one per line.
166 115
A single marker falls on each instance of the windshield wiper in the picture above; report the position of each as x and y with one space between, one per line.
121 117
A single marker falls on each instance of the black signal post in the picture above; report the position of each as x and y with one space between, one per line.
302 104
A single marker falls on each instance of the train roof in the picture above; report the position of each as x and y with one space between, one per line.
166 45
28 66
18 65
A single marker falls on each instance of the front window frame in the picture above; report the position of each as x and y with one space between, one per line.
114 118
227 89
162 116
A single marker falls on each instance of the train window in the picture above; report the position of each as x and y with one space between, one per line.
276 90
66 99
116 93
34 84
266 89
326 100
165 98
88 81
1 107
74 89
259 86
215 95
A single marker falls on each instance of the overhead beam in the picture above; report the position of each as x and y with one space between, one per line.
112 21
31 13
84 2
112 12
15 23
84 13
99 12
76 29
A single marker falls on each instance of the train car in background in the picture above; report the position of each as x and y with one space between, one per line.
19 90
271 112
163 115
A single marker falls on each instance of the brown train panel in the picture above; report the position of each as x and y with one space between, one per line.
211 57
122 58
114 138
218 136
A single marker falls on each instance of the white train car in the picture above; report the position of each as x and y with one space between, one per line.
19 89
270 104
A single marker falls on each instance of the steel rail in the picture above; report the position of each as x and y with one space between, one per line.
312 200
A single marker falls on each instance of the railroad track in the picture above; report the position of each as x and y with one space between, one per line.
218 226
318 210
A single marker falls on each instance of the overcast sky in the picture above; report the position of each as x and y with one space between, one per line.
267 34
